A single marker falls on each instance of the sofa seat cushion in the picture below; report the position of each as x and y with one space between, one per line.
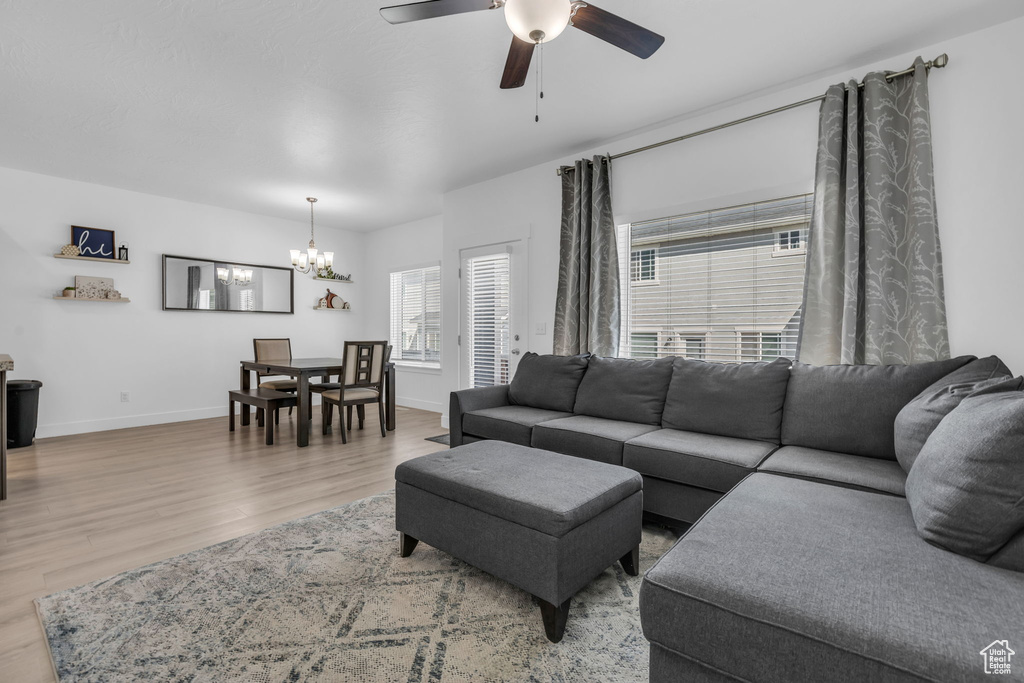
839 469
588 437
852 408
507 423
712 462
792 580
548 492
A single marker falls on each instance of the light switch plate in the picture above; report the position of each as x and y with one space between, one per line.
540 328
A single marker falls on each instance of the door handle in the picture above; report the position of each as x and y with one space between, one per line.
515 352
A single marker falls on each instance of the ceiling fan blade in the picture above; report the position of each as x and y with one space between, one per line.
399 14
517 66
615 30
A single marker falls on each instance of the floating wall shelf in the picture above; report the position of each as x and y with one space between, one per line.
90 258
330 279
317 308
122 300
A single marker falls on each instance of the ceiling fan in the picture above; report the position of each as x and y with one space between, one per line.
534 22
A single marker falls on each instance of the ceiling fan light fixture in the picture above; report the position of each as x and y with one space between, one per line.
537 21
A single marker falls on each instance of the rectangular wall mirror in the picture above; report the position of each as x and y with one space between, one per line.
195 284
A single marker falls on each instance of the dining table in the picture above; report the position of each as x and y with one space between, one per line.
302 370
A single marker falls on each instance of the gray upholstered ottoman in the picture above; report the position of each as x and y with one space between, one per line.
545 522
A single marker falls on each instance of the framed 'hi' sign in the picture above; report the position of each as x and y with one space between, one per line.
93 242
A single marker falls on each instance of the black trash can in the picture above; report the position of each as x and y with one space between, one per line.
22 411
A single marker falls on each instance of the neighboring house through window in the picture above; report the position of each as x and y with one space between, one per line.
416 316
707 285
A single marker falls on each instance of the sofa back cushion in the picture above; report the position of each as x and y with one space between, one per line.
964 489
625 389
852 408
919 418
742 400
548 382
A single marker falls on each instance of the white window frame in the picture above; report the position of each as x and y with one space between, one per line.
394 322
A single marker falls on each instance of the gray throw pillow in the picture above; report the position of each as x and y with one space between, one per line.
625 389
852 408
743 400
1011 555
966 488
916 421
548 382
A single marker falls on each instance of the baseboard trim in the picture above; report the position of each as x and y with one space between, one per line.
418 404
145 420
127 422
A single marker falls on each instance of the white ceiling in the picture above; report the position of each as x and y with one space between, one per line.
255 104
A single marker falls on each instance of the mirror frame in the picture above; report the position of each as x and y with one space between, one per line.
163 285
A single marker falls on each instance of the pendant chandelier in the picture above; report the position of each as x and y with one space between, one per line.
233 275
312 259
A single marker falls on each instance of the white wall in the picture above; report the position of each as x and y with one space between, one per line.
978 144
392 249
177 365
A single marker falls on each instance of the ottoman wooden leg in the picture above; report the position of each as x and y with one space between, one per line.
406 543
554 619
631 561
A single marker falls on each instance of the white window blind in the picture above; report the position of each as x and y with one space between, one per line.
729 282
488 283
416 316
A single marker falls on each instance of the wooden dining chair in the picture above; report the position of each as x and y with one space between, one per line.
272 349
321 387
362 382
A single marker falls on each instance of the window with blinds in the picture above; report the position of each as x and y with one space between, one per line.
723 285
416 316
488 286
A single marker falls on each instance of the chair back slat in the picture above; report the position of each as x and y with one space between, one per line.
364 363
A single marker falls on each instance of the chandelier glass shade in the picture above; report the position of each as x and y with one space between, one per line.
311 258
234 275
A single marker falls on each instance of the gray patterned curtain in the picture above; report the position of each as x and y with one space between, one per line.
873 292
192 282
587 305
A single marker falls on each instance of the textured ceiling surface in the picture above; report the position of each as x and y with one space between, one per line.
256 104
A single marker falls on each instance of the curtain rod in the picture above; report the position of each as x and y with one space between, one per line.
939 62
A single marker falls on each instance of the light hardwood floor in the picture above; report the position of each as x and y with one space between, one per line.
84 507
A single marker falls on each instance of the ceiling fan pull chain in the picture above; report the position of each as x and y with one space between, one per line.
540 81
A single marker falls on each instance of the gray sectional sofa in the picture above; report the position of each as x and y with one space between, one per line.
815 557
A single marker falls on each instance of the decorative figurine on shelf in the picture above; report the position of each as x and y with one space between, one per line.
332 300
122 252
70 250
114 295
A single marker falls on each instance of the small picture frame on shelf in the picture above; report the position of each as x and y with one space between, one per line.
94 242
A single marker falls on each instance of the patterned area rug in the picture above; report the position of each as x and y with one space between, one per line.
327 598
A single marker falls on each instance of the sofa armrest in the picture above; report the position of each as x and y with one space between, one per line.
468 400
